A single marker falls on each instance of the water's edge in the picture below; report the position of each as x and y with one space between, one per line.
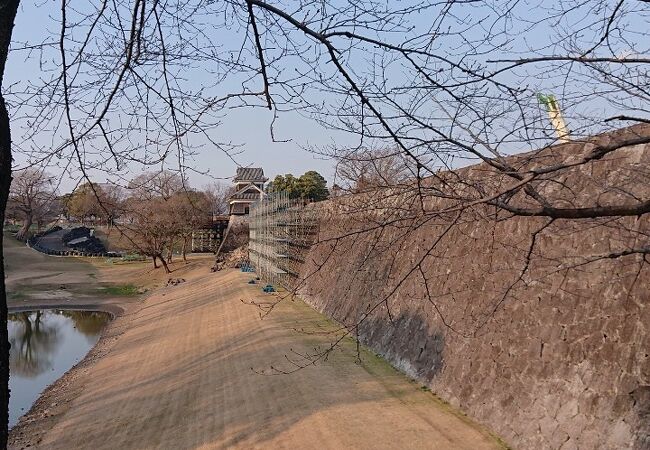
111 311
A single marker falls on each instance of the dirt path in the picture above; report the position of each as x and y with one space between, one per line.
177 374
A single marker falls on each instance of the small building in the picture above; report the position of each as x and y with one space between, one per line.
249 188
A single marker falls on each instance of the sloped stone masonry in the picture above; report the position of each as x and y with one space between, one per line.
555 358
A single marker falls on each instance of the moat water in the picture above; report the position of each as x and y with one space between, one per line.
45 344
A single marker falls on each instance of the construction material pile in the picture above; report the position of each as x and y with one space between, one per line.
232 260
79 241
83 240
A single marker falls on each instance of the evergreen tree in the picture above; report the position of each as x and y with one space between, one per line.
287 183
312 186
309 186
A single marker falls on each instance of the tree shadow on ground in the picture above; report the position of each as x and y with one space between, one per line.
193 386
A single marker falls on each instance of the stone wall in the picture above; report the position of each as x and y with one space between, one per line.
235 235
549 351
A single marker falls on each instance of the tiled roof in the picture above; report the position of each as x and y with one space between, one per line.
248 192
246 196
250 174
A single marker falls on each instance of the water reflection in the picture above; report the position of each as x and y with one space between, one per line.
32 343
44 345
88 323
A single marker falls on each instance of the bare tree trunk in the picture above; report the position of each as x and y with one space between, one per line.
164 263
8 9
170 252
185 249
23 233
155 265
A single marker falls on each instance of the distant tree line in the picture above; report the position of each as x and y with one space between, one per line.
155 214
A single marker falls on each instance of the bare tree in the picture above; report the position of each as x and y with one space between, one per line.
161 212
112 200
373 169
151 231
444 83
32 198
218 194
150 211
191 211
164 184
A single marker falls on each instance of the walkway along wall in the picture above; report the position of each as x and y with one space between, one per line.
550 353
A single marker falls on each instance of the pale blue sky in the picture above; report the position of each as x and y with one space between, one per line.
246 127
250 127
